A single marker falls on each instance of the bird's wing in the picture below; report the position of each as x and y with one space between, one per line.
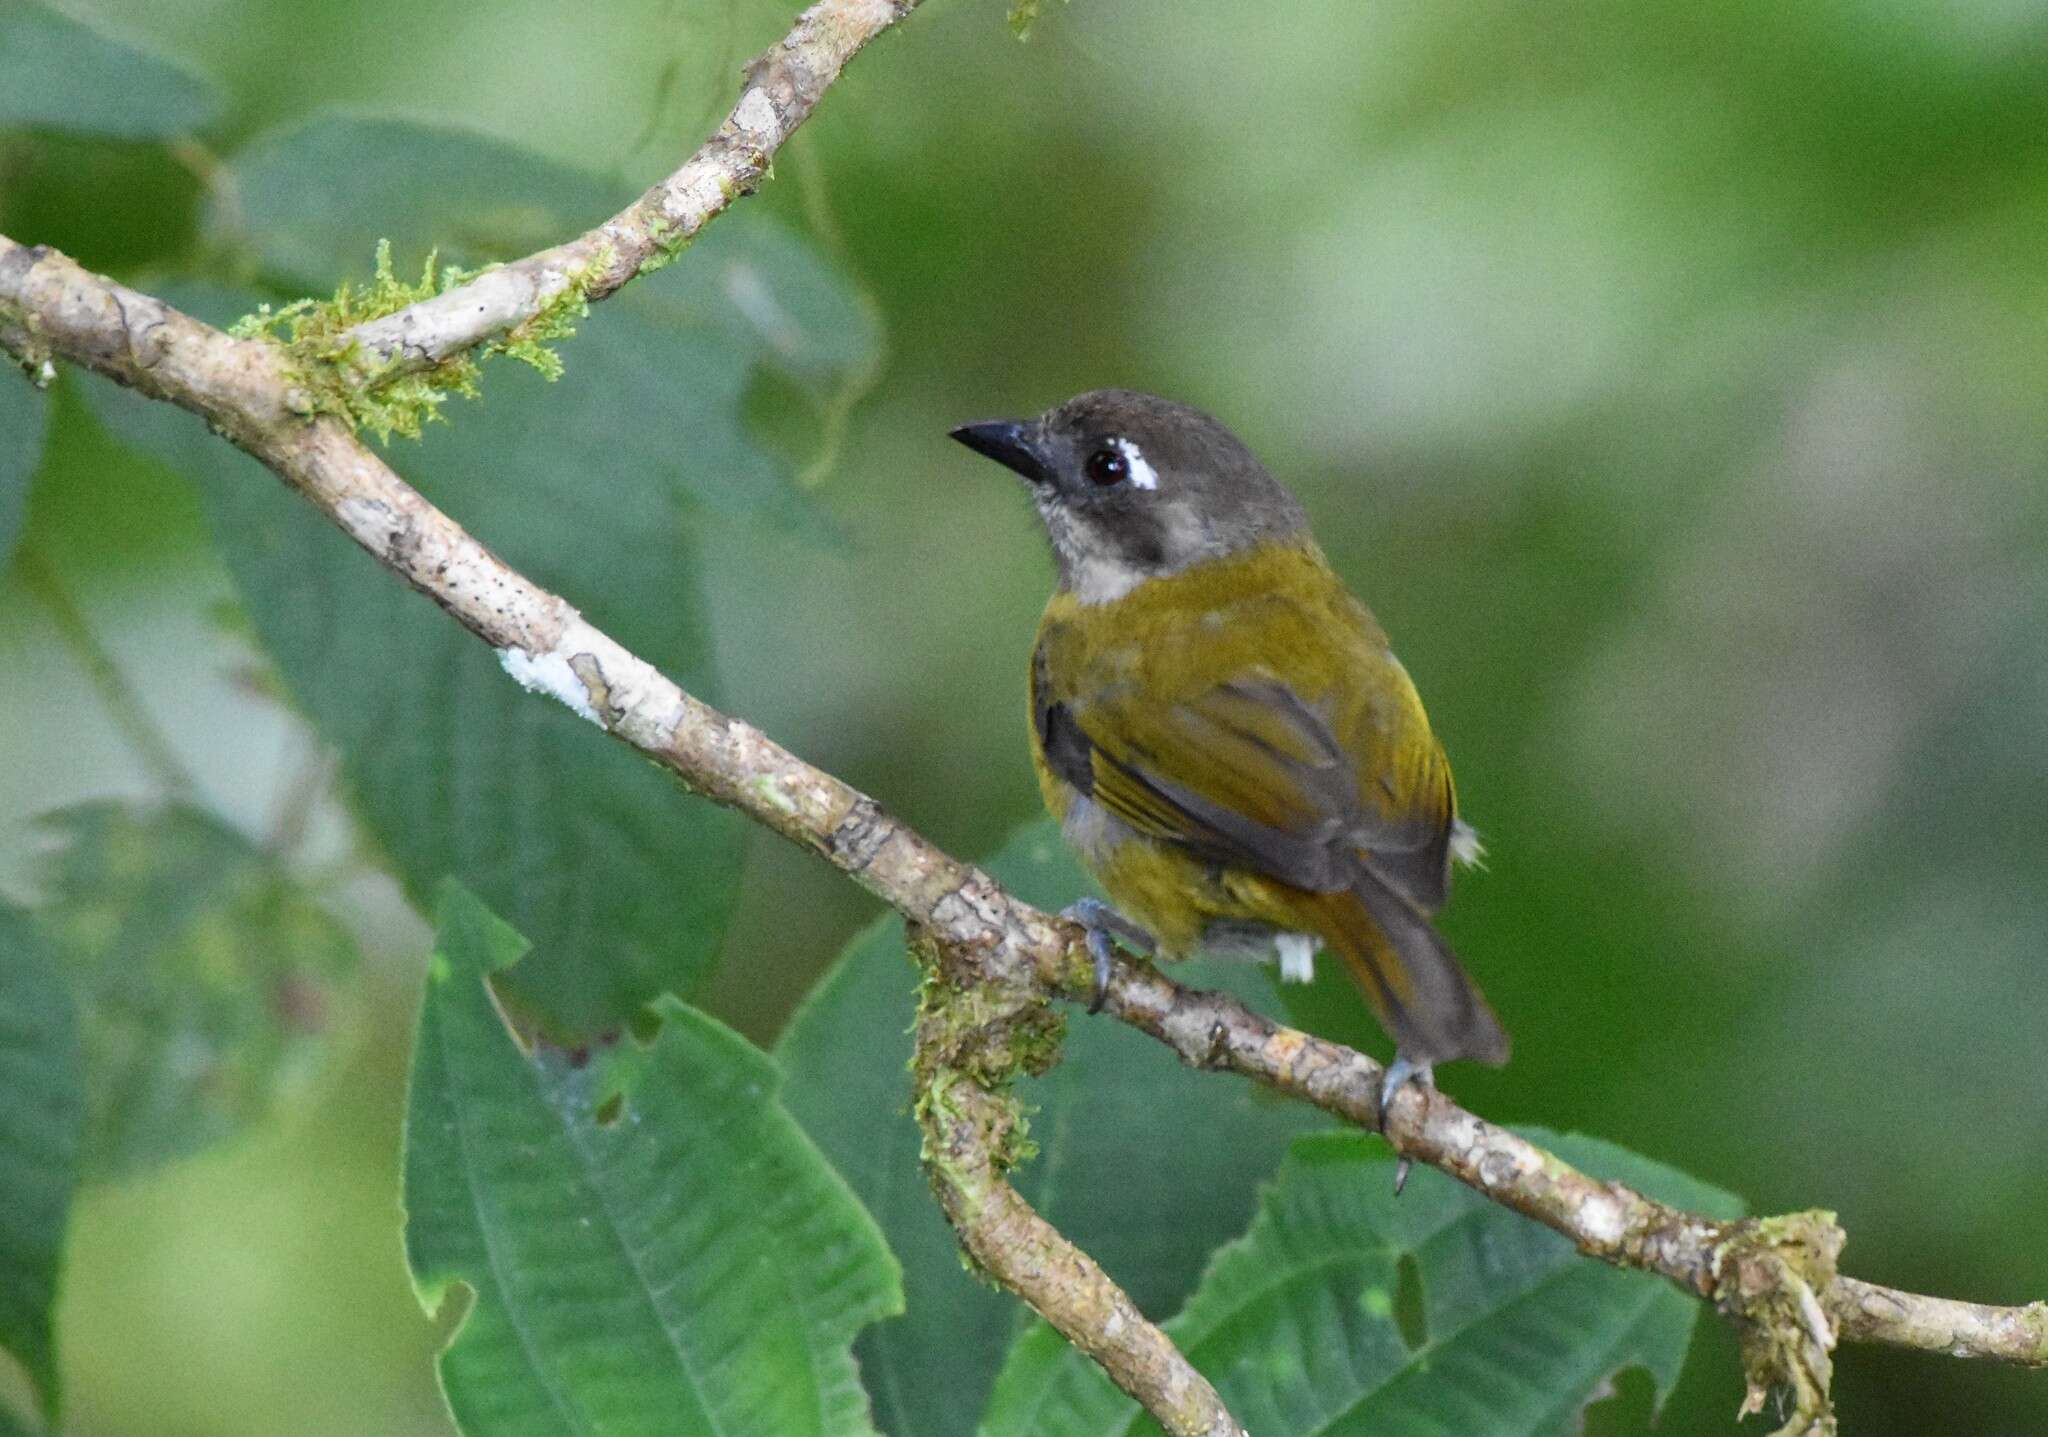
1249 774
1345 801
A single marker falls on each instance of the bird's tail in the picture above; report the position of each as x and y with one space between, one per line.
1408 974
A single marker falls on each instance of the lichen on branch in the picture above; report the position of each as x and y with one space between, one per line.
332 375
977 1032
1769 1276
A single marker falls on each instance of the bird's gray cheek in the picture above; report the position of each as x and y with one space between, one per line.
1183 536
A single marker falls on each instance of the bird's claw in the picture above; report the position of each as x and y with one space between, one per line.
1101 950
1398 1075
1104 925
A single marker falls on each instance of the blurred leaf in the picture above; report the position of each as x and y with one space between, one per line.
313 198
456 769
42 1111
115 206
24 411
1118 1104
652 1243
767 291
647 403
1305 1324
61 74
661 397
205 976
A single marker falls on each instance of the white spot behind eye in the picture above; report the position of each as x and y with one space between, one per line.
1143 475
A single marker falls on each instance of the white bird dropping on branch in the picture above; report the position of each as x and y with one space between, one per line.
549 674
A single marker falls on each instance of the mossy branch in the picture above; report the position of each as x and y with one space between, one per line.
331 375
976 1034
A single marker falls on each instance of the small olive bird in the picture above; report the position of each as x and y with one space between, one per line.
1221 730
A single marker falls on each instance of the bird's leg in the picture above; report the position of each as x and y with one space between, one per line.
1252 941
1399 1074
1104 925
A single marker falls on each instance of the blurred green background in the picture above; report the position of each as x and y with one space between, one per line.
1673 381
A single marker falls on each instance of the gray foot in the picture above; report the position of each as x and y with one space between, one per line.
1105 926
1399 1074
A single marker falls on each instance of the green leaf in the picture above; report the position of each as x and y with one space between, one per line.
766 292
314 197
42 1112
658 376
455 768
1300 1324
652 1243
209 983
1144 1163
24 412
57 73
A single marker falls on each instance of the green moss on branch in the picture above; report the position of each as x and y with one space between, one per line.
331 374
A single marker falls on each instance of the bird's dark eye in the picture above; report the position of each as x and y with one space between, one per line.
1107 467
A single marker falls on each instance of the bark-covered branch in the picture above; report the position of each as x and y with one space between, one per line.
973 1038
782 87
1775 1277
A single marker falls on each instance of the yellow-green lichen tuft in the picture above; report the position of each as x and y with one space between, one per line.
982 1036
670 239
1771 1273
530 342
335 377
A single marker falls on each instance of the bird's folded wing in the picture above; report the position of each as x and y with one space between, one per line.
1250 775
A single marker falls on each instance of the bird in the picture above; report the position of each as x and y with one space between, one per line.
1222 731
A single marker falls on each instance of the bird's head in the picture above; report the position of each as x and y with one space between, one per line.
1134 487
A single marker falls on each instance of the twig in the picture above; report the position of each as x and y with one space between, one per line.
783 85
1774 1276
973 1038
1865 1312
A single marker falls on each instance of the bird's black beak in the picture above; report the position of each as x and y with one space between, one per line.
1010 442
